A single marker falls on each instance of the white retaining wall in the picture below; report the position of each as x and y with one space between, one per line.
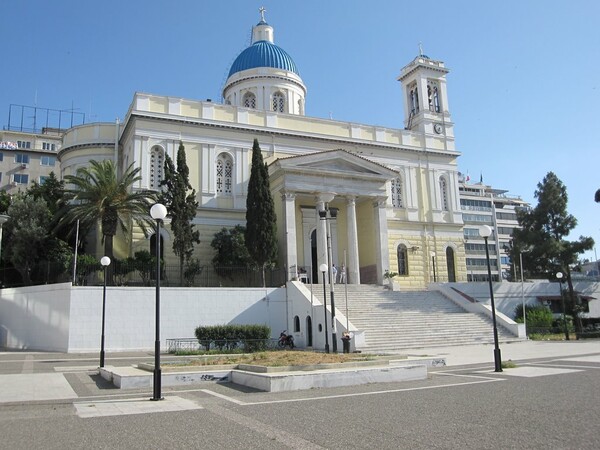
507 296
68 319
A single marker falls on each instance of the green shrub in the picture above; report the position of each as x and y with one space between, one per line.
252 338
537 316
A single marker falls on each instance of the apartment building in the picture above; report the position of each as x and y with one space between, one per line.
484 205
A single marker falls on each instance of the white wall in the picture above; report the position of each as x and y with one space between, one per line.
64 318
507 296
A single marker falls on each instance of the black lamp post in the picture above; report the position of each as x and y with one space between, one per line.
433 265
485 232
323 268
158 213
559 276
105 261
332 216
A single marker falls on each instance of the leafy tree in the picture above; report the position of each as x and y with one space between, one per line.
182 207
28 230
4 201
231 251
98 194
261 227
543 233
52 191
597 196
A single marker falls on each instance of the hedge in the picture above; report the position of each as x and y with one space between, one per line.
250 338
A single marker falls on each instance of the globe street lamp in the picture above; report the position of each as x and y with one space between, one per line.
158 213
559 276
485 232
105 261
323 268
332 216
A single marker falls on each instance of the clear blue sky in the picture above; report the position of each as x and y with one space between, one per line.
524 86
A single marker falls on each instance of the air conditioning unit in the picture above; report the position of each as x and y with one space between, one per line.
14 183
23 166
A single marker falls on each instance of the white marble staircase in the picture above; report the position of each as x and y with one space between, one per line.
396 320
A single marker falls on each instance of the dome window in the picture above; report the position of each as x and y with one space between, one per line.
250 100
278 102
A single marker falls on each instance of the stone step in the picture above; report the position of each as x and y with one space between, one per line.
394 320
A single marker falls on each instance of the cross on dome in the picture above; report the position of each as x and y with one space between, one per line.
262 11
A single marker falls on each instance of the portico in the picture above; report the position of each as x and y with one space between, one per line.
351 185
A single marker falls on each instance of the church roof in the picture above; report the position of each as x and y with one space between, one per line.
263 54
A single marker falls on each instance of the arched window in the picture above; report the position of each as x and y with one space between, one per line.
296 324
278 102
450 265
397 193
250 100
414 99
402 260
224 176
157 164
433 96
444 193
436 99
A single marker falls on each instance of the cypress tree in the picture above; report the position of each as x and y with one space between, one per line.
261 228
182 207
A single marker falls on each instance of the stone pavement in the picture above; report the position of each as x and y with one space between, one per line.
514 351
24 387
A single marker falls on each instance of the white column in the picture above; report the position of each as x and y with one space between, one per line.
289 216
321 237
353 269
382 256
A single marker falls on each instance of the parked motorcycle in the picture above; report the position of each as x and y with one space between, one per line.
286 340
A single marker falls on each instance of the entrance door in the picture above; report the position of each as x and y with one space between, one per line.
309 342
450 265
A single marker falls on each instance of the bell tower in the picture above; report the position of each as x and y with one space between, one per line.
425 96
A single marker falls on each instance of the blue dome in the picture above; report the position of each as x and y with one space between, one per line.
263 54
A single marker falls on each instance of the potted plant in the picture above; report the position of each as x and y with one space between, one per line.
389 276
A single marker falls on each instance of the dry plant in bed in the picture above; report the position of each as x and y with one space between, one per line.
280 358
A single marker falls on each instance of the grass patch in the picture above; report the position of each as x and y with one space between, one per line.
547 336
508 364
277 359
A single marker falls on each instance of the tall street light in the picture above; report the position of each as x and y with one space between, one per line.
323 268
559 277
158 213
105 261
323 215
433 265
485 232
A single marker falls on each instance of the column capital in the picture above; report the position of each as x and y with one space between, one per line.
379 202
288 196
325 197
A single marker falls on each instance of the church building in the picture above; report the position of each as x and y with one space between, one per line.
394 192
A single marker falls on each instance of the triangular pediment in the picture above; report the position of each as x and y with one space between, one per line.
334 162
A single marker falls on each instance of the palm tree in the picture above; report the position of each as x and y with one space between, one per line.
97 194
